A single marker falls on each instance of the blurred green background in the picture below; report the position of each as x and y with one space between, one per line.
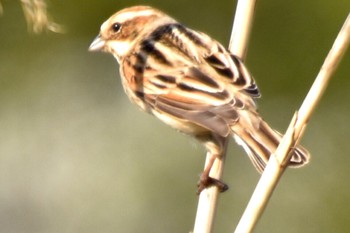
76 156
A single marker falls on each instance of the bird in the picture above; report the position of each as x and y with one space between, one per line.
192 83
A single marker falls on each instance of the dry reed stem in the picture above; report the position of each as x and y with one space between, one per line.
278 161
208 198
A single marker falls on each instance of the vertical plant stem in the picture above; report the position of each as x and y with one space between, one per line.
241 29
208 198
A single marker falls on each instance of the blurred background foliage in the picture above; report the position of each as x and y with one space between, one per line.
76 156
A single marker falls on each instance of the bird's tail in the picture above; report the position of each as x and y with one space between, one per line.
261 141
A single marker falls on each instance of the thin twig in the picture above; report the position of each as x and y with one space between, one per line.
208 198
277 162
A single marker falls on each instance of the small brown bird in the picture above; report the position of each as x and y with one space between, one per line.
190 82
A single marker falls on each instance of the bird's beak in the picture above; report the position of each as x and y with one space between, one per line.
98 44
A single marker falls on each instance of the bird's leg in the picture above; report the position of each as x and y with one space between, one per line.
206 181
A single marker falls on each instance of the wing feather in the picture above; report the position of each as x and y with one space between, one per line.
201 82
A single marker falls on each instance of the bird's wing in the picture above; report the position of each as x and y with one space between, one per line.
199 82
190 95
232 70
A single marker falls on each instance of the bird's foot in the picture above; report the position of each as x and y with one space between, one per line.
207 181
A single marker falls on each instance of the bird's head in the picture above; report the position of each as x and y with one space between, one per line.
127 27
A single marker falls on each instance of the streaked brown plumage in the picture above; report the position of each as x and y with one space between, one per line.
190 82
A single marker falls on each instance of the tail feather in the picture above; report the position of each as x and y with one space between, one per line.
262 142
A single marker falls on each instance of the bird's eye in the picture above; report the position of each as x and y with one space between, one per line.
116 27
